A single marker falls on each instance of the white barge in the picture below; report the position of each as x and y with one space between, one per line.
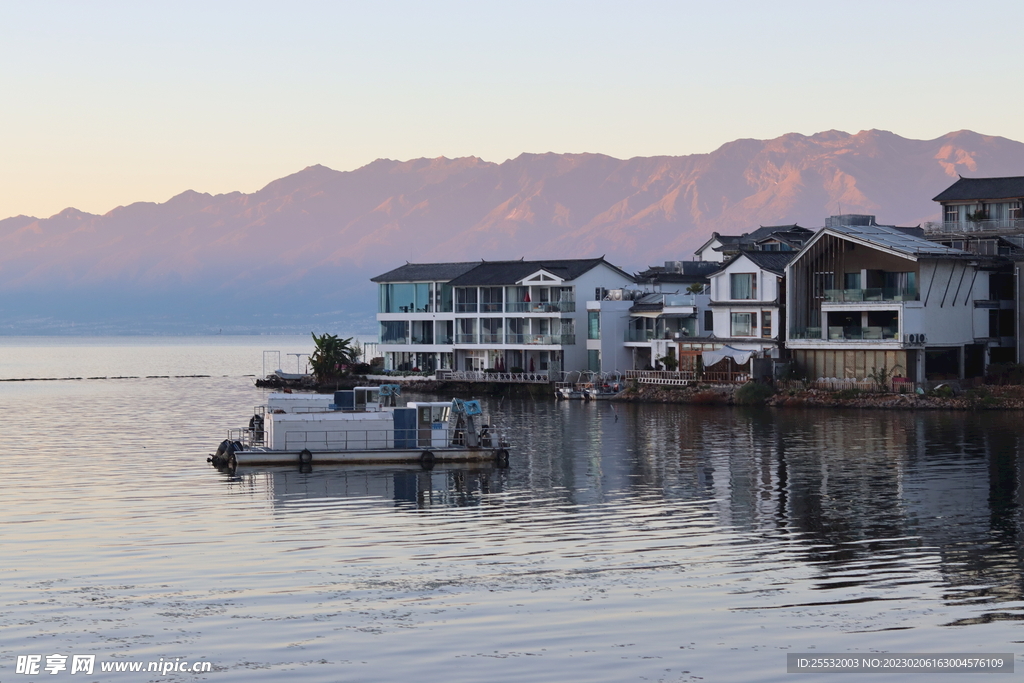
361 426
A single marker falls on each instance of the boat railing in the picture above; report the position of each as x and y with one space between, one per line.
370 439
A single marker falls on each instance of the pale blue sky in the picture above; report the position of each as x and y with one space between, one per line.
106 103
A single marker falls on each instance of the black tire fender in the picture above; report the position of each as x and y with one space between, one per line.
305 457
501 458
427 460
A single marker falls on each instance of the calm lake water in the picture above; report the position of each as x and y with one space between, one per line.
624 543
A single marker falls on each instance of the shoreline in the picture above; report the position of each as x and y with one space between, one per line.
982 397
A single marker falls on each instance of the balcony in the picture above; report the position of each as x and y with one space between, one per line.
871 294
394 340
976 226
465 338
540 307
541 339
466 308
847 333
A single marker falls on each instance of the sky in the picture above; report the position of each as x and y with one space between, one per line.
107 103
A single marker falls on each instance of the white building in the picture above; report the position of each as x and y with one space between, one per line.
748 299
491 314
860 298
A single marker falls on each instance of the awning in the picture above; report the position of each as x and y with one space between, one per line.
739 356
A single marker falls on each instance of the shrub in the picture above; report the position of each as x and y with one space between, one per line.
753 394
846 394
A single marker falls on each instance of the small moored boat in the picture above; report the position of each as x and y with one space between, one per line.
364 425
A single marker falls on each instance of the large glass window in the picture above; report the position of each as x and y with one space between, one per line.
490 300
490 331
593 324
594 360
397 297
743 285
394 332
467 331
709 321
446 299
422 304
465 299
515 331
743 324
766 324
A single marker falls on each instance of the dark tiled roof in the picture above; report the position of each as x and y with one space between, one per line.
773 261
983 188
790 234
693 271
426 272
490 273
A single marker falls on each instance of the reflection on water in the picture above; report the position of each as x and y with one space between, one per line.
625 542
289 488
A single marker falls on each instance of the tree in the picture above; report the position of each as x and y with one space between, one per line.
332 357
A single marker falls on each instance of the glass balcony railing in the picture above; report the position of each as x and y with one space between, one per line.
977 226
490 338
466 308
395 340
540 307
846 333
465 339
870 294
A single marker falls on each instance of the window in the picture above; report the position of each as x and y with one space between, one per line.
851 281
594 360
490 299
822 283
465 300
766 324
951 214
743 324
1014 211
593 324
394 332
743 285
709 321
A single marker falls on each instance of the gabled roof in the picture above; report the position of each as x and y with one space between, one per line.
494 273
890 239
426 272
790 234
692 271
772 261
983 188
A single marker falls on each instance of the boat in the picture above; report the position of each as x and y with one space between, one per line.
364 425
589 386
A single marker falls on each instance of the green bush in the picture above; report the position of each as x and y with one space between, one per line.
846 394
753 394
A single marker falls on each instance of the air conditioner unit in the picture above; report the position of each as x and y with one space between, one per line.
921 338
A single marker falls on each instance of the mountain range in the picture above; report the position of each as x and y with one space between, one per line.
298 254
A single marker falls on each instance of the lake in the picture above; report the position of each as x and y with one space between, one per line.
625 542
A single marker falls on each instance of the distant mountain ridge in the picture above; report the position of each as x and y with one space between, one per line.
301 250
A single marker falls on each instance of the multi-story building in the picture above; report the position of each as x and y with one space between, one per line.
865 297
499 315
766 238
748 301
984 216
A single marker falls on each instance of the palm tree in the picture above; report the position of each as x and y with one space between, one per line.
332 357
